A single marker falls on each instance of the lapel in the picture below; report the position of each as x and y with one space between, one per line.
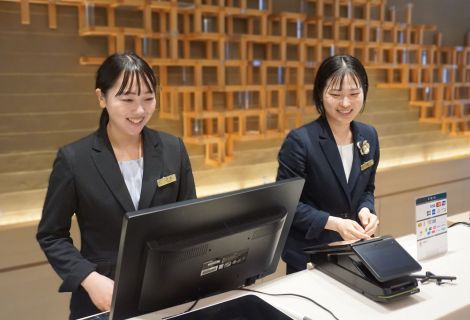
356 165
330 149
153 167
106 163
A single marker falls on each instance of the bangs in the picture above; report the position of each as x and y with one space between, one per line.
136 75
336 82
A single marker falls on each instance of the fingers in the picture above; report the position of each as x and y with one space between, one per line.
350 230
372 226
364 219
368 220
364 216
358 231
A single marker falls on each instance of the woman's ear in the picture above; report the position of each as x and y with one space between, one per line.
101 98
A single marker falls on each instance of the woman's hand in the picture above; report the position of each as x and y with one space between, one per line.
368 220
100 290
348 229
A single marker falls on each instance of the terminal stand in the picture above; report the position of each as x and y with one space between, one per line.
379 269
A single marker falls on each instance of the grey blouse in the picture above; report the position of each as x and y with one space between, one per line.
132 172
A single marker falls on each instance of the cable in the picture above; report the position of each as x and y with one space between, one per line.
192 306
290 294
460 222
431 276
187 310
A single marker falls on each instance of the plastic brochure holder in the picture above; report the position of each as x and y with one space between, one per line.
378 268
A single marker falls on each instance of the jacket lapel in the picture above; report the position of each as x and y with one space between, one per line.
106 163
356 165
330 149
153 167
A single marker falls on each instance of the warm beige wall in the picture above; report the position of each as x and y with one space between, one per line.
398 188
28 285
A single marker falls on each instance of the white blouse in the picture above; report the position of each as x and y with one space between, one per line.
346 154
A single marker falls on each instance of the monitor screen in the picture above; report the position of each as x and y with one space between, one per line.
187 250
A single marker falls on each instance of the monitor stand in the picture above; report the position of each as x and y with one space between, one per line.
249 307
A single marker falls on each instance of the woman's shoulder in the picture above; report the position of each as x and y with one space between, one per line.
365 129
161 134
162 137
310 129
364 126
83 143
77 151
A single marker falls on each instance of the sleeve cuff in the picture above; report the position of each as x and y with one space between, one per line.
368 206
73 281
317 226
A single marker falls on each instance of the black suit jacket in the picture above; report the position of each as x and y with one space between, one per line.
311 152
86 180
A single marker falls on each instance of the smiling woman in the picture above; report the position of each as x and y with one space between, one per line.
125 87
337 201
106 174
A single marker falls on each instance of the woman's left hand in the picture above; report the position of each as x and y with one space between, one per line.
368 220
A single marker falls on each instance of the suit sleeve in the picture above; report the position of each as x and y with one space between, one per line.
54 227
367 198
292 163
187 189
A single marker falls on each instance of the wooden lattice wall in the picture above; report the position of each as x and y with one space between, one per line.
233 70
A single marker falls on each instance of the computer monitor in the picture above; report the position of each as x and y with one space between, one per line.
175 253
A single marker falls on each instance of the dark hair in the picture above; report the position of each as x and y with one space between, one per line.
336 68
133 66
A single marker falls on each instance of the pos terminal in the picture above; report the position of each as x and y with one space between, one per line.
378 268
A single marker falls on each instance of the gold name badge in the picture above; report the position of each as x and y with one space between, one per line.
166 180
367 164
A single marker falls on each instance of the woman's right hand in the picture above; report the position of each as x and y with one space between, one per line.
100 290
348 229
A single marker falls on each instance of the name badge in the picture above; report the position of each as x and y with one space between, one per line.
367 164
166 180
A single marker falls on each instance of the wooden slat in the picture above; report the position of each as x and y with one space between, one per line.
52 14
25 13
